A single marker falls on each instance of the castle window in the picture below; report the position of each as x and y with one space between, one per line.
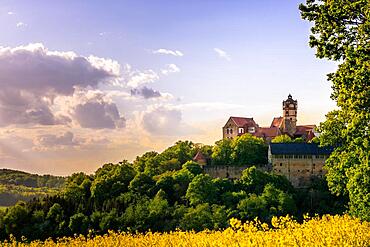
251 129
287 112
281 164
291 118
231 131
227 131
241 130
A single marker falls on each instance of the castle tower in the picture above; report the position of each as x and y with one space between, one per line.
289 116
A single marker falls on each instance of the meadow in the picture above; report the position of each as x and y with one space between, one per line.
283 231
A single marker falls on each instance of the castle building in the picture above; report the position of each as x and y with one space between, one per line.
287 124
298 162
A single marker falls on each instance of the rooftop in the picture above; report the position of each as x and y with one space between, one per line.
299 149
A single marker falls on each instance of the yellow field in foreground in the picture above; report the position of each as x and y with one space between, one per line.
325 231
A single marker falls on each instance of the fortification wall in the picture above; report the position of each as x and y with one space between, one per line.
224 171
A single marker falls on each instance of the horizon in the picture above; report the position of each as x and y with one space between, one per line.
117 79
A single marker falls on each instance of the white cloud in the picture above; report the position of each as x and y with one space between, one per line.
21 24
32 77
51 140
136 78
175 53
92 109
222 54
11 13
142 77
161 120
170 68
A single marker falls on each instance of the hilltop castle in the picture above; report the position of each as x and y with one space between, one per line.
287 124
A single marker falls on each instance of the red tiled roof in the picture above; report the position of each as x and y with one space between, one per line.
199 156
267 132
243 121
276 122
303 129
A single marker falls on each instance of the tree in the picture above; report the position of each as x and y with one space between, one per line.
111 180
282 139
249 150
201 190
193 167
78 223
142 184
16 220
254 181
341 32
221 153
140 161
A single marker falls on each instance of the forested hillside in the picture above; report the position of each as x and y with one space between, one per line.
162 192
21 186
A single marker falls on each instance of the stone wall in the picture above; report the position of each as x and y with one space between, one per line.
301 170
232 172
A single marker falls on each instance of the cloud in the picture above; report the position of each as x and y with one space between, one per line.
92 109
51 140
175 53
170 68
11 13
161 120
222 54
145 92
32 77
21 24
135 78
98 115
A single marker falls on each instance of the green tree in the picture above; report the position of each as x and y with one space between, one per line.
111 180
140 161
193 167
78 223
249 150
221 153
341 32
142 184
282 139
254 181
202 190
16 220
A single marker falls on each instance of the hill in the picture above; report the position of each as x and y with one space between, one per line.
18 185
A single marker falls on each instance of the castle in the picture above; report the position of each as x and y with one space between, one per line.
300 163
287 124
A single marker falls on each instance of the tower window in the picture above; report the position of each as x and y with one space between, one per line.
291 118
241 130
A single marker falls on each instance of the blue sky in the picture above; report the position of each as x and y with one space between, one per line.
237 58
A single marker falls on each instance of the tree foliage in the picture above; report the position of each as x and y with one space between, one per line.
149 194
242 151
341 32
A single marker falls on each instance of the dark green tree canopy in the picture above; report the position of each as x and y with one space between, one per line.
341 32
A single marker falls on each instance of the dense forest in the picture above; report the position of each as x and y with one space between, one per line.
167 191
18 185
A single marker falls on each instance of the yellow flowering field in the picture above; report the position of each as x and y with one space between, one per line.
325 231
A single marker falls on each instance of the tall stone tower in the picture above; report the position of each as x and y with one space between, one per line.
289 116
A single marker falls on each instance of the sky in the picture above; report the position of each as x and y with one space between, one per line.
83 83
